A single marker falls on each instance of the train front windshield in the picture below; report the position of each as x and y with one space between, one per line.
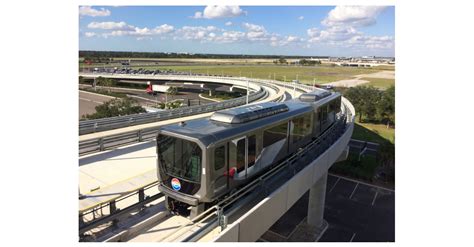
179 158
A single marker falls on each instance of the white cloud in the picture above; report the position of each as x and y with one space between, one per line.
254 28
196 33
144 38
123 29
109 25
229 23
87 10
372 42
277 40
197 15
230 36
353 15
90 34
313 32
214 11
301 18
334 33
163 29
255 32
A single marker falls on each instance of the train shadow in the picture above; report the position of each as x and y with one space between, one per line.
117 152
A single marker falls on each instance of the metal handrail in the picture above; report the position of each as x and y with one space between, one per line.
114 212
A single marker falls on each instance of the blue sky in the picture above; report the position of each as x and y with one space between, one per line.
264 30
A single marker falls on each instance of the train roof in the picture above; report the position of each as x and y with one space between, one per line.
232 123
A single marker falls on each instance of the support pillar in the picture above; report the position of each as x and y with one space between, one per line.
317 196
211 92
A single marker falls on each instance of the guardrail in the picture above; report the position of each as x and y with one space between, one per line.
114 212
91 126
121 139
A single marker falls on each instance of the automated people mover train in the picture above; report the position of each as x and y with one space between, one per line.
200 161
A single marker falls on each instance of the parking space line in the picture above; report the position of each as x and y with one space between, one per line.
353 236
373 201
361 182
334 185
355 187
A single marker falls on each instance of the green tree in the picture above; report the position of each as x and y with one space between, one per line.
282 60
386 107
116 107
105 82
365 100
172 91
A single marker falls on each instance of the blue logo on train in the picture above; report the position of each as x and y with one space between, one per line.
175 184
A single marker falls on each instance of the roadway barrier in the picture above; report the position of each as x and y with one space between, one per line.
91 126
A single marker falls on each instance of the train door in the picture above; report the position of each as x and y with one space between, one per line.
220 168
317 123
243 155
238 157
251 154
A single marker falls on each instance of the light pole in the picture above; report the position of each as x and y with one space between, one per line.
314 83
247 92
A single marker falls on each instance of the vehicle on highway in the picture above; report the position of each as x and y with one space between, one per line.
155 89
201 161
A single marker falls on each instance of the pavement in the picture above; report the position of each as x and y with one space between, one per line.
355 212
88 101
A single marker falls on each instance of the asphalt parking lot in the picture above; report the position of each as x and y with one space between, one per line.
355 212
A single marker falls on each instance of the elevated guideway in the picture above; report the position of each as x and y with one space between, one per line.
249 223
246 215
107 176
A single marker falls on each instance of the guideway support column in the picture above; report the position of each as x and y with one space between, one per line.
317 195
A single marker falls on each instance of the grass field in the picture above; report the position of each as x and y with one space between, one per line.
359 169
323 74
379 83
373 133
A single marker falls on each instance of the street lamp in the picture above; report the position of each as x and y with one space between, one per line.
247 92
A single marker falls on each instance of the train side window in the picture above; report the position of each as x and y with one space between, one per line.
274 134
251 150
219 158
303 127
324 114
240 162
